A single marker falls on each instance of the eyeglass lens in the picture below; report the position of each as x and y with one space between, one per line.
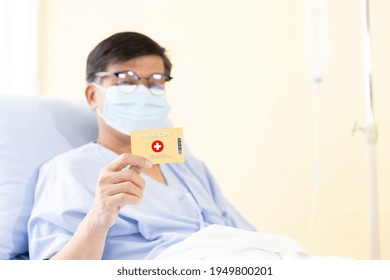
154 82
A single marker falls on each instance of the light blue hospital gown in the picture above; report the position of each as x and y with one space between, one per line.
66 189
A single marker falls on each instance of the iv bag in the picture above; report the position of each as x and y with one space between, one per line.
317 51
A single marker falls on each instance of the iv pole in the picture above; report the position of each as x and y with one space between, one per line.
370 132
317 56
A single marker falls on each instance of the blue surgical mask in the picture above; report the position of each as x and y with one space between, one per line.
137 110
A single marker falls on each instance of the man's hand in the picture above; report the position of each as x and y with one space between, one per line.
118 187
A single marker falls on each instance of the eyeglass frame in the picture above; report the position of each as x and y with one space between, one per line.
104 74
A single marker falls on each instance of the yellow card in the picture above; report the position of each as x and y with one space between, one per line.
162 145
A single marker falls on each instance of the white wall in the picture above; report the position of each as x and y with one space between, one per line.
242 92
19 46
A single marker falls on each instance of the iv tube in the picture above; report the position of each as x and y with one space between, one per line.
317 57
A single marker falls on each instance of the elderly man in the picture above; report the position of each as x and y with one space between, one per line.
100 201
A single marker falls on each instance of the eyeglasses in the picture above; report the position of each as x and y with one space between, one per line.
127 81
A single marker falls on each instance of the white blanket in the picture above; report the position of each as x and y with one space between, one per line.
222 243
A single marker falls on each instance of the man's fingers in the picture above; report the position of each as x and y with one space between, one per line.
128 159
125 176
126 188
136 169
122 199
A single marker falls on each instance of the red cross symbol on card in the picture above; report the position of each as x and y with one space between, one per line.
157 146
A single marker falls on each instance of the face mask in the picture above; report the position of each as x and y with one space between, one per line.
134 111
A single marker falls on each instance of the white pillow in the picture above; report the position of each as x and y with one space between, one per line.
32 131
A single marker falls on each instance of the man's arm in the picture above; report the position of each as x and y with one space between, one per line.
116 188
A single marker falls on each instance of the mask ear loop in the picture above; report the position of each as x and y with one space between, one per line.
100 114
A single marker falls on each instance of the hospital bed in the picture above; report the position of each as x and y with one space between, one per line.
33 129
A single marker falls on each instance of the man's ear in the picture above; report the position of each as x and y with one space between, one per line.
91 95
